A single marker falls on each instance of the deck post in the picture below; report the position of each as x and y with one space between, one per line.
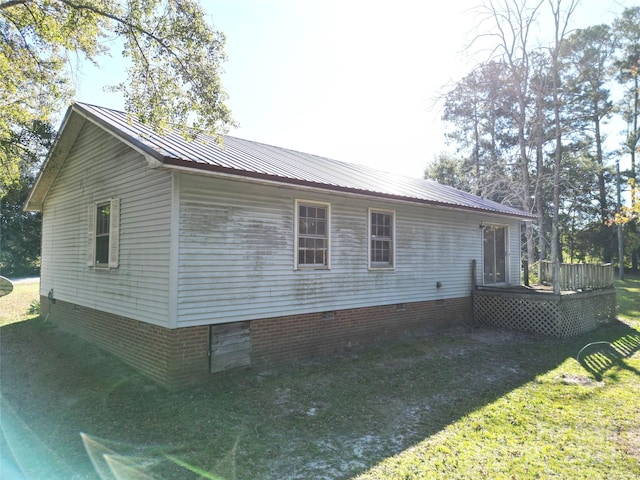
474 282
556 277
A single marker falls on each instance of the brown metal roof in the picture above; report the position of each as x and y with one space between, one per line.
245 158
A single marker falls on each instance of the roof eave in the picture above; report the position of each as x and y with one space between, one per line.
70 127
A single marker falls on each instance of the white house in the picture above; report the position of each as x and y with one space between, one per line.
185 258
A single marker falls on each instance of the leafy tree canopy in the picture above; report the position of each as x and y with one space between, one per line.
174 59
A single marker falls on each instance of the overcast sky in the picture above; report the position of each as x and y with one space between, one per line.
353 80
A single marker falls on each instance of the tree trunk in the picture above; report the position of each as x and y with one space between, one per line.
620 236
555 234
539 188
561 20
602 189
636 134
526 180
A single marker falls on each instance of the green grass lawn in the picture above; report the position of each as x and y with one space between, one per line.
569 422
562 424
628 292
462 403
20 304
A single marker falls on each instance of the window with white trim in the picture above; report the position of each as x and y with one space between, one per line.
312 234
103 233
381 238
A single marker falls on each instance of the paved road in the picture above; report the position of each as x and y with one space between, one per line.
24 280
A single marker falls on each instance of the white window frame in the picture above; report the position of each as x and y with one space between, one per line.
391 265
114 233
315 266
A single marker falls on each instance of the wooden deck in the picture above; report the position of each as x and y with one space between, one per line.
538 309
579 276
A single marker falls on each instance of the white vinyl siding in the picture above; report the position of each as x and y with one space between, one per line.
194 249
100 168
236 250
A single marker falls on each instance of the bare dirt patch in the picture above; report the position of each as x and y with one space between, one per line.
631 441
584 380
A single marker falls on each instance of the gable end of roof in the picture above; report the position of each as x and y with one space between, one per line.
71 126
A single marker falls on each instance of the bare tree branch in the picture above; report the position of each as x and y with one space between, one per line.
132 27
13 3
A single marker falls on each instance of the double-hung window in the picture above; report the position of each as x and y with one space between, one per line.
312 234
103 234
381 238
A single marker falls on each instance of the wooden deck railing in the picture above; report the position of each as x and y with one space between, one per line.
579 276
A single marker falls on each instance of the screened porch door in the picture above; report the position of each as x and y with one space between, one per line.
494 241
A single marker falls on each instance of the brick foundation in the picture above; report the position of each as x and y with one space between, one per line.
179 357
283 340
173 358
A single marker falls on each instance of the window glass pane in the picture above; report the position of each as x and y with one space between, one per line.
102 250
501 250
381 225
312 235
102 220
103 214
381 239
380 251
489 255
495 254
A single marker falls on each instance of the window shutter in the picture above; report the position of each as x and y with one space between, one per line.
114 233
91 235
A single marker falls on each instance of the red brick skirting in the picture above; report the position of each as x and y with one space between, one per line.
283 340
173 358
179 357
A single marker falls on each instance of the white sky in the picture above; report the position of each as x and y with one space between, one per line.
353 80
